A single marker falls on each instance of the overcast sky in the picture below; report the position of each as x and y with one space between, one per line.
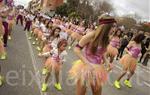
122 7
140 7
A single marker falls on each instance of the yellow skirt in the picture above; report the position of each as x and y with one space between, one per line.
112 51
51 64
128 62
94 74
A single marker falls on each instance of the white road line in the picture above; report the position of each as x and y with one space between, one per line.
147 84
34 66
147 71
118 67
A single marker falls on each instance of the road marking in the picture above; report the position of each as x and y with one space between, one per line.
147 71
34 66
118 67
138 67
147 84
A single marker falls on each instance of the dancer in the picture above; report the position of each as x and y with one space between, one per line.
37 30
41 38
52 40
29 19
4 15
54 63
20 17
2 49
11 20
90 70
35 26
129 60
77 34
114 44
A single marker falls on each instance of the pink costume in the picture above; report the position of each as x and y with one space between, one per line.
10 17
129 61
55 60
96 58
135 51
112 49
115 42
58 57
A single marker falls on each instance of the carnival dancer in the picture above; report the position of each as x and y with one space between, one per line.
2 49
89 70
129 61
52 40
54 63
41 38
37 30
63 34
29 19
77 33
47 34
35 25
11 20
2 31
4 15
112 49
20 16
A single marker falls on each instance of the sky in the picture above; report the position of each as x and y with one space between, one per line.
22 2
122 7
139 7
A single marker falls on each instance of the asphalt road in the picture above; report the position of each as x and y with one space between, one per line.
22 72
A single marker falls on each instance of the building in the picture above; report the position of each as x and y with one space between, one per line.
50 5
34 5
45 6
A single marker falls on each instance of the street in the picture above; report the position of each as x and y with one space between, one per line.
22 72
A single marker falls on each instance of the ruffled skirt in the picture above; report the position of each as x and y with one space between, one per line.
88 74
112 51
52 64
128 62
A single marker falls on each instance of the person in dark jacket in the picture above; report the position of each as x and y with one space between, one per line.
146 52
144 46
124 43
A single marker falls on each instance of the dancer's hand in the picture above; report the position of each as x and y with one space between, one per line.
130 53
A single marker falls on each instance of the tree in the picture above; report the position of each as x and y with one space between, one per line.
126 21
145 27
101 7
62 10
85 8
67 8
